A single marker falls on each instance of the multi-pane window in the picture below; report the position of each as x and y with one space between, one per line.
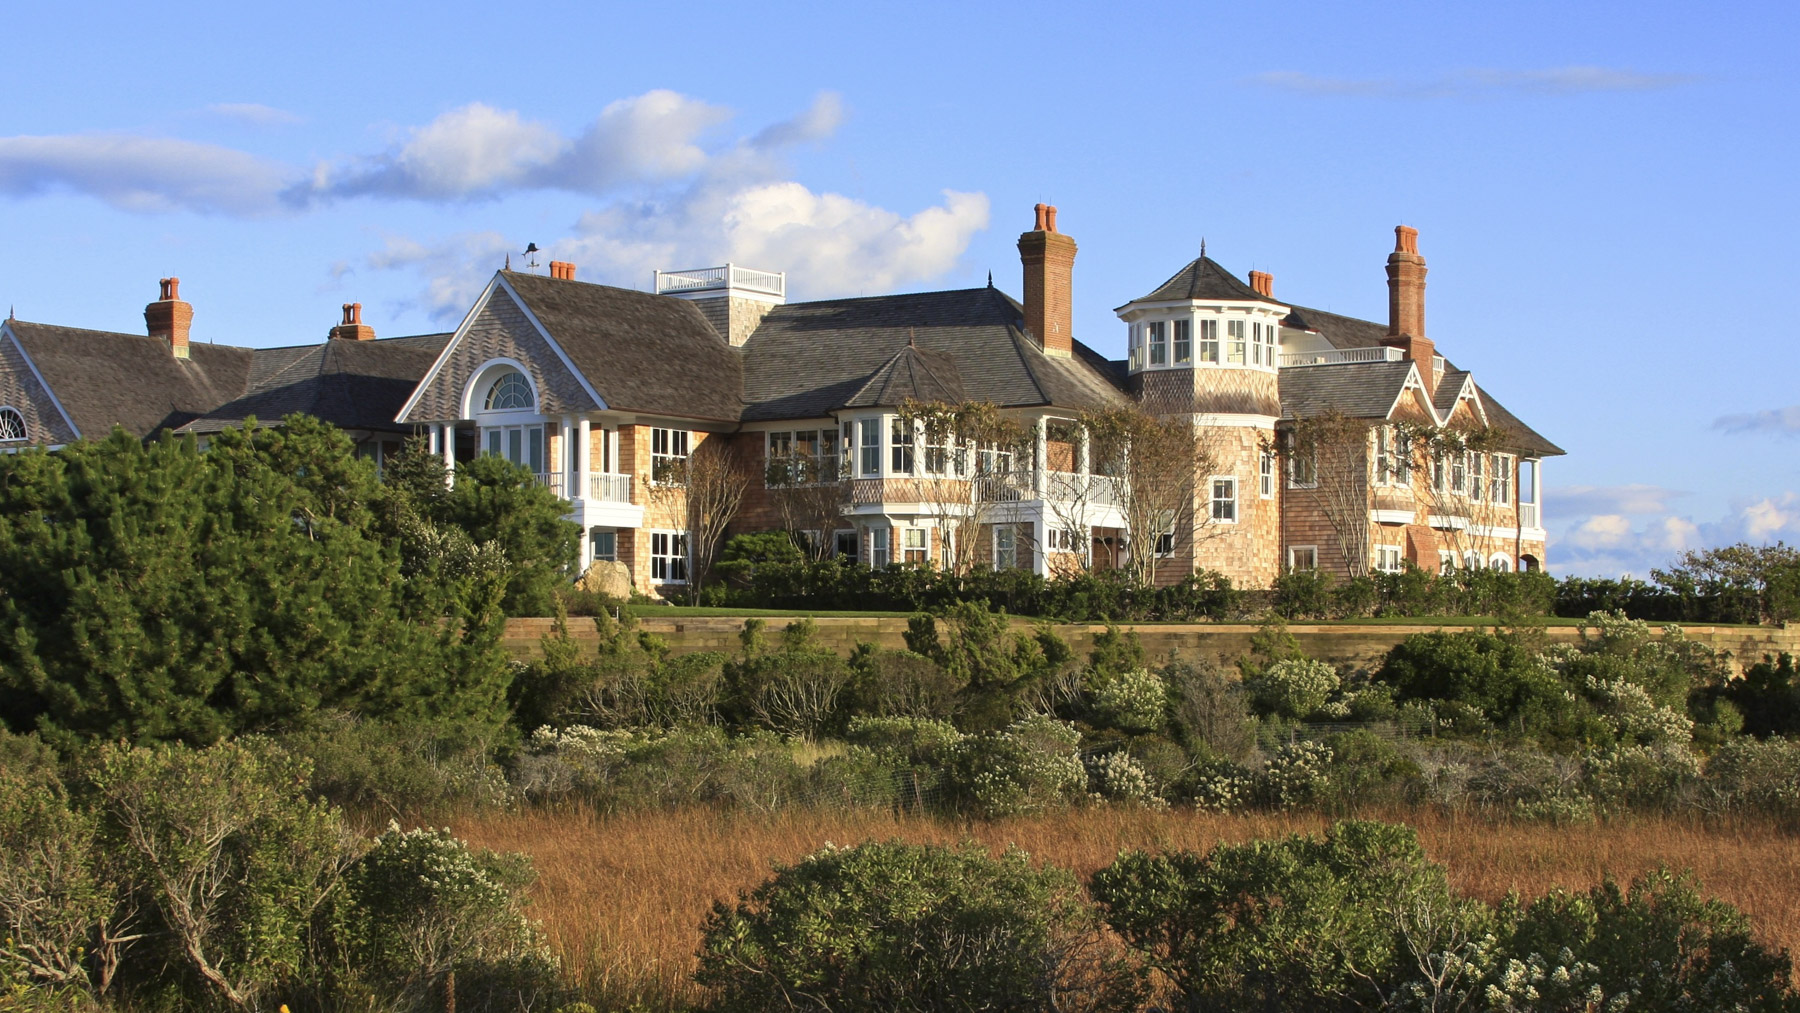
522 445
1158 333
1477 476
668 453
1389 559
848 546
1262 344
510 393
1209 341
1234 342
871 446
1136 352
937 450
900 438
12 425
1500 562
1303 468
1184 341
1006 547
947 548
668 557
802 457
1502 478
1303 557
1393 455
1224 499
914 545
1459 474
879 547
605 543
1265 475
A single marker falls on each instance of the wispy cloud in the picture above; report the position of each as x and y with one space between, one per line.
1611 531
254 114
145 174
1781 421
1473 83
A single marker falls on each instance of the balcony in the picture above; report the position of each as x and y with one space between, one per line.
1338 356
1017 486
602 487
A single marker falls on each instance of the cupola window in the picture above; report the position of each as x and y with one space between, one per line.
1209 341
1184 341
1234 345
1159 343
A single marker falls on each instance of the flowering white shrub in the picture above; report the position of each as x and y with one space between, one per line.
1225 788
1031 766
1136 701
1635 716
1635 776
1532 984
1294 687
1297 774
1760 776
1117 777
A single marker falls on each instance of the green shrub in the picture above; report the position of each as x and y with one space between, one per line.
57 895
1136 702
1292 688
1208 710
1303 594
1033 765
1751 776
890 683
881 927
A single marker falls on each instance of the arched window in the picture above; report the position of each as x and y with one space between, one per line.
12 425
509 393
1501 563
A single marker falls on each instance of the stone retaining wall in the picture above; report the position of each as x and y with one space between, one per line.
1351 646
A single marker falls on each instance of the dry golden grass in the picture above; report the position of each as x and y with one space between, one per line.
623 897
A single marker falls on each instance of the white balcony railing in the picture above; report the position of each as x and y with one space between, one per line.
1335 356
1528 515
730 276
609 488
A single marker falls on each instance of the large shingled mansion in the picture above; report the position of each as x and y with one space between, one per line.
599 389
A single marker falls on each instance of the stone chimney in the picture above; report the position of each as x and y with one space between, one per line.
169 318
1049 259
1406 304
353 329
1263 282
562 269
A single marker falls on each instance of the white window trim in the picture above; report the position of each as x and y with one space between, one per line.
1212 499
1502 562
1013 534
881 540
670 455
24 430
1265 475
1446 561
1294 549
686 559
1399 555
1503 473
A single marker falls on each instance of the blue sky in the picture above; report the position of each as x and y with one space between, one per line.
1605 192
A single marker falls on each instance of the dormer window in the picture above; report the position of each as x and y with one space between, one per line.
12 425
510 393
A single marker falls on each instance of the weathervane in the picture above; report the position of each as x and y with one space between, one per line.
531 251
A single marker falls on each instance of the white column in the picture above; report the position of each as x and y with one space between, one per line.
447 441
565 461
584 460
1042 455
1086 463
431 438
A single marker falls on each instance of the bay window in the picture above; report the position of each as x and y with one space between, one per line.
1184 341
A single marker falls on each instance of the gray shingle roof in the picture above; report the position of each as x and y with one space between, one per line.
350 384
807 360
1203 278
1520 435
641 352
1362 390
913 374
1449 387
1341 331
103 378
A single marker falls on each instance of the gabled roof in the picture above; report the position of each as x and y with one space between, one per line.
1204 279
350 384
103 378
1361 390
640 352
913 374
1521 436
1449 390
807 360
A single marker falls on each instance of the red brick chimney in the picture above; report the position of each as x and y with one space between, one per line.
169 318
1049 258
353 329
562 269
1263 282
1406 304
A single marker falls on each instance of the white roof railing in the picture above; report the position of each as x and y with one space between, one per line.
1334 356
730 276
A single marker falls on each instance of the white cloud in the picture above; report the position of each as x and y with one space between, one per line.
818 122
1610 543
1601 531
144 174
1783 421
827 243
254 113
454 269
1578 500
1473 83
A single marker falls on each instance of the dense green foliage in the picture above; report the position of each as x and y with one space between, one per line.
881 927
155 592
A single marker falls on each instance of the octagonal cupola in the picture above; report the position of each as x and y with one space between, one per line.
1204 317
